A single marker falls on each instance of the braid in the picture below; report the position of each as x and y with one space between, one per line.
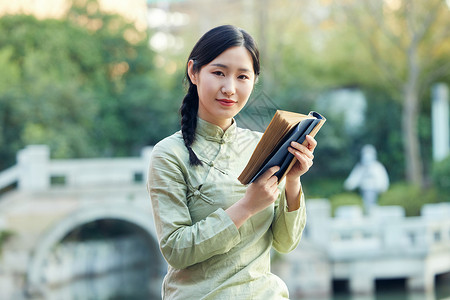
188 111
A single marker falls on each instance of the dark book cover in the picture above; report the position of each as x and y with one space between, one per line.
280 156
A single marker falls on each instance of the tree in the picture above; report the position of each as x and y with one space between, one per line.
86 85
137 100
42 98
409 45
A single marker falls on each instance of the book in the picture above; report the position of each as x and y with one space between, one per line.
272 149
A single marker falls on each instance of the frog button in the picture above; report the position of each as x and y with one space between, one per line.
197 193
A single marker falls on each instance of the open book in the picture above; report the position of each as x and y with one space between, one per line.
272 149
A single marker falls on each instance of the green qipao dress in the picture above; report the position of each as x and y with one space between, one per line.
207 256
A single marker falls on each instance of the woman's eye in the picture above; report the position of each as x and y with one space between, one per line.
218 73
243 77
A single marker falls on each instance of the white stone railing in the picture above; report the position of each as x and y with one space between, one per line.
385 232
9 176
35 171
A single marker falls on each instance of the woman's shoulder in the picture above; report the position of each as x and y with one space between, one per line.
168 159
172 145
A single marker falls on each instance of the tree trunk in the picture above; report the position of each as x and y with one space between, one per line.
411 140
410 117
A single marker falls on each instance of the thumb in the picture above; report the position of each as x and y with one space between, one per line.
269 173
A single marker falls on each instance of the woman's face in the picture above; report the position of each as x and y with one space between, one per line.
224 85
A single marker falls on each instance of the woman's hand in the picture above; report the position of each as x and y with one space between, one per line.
259 195
304 156
263 191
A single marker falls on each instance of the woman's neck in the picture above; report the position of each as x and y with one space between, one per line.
224 124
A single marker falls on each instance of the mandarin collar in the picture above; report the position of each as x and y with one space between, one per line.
214 133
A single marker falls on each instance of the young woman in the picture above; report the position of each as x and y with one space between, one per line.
215 233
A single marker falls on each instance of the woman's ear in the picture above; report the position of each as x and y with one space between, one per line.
192 74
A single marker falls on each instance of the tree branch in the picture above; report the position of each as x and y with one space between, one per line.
379 20
435 74
366 37
430 18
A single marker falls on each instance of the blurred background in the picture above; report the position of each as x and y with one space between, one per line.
88 86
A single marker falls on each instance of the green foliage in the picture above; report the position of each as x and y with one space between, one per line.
337 151
85 85
347 198
441 176
383 131
410 197
360 45
309 62
321 187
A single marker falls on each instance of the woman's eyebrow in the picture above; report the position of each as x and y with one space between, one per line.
226 67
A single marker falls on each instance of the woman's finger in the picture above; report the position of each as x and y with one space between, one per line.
296 147
268 174
312 143
305 161
273 181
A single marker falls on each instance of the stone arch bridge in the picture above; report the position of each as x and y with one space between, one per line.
44 200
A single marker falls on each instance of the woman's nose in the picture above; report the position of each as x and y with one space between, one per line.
229 88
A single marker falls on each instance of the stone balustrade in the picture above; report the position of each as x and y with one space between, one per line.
361 249
35 171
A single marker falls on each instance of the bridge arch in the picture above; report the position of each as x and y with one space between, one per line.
142 218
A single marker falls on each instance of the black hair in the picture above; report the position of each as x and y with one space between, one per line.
208 47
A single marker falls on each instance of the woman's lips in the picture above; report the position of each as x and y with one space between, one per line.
226 102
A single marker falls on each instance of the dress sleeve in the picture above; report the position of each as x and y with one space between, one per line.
287 227
183 243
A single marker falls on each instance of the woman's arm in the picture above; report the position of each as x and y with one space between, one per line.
304 156
182 242
293 190
287 226
290 214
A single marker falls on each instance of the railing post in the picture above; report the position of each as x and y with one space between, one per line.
361 281
440 122
146 152
421 282
33 163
